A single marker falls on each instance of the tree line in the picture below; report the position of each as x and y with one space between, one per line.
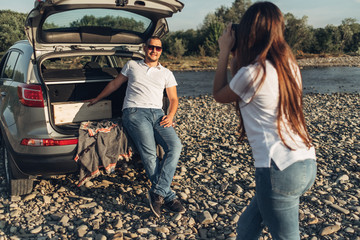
302 38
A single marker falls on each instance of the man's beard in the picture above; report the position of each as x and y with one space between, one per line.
149 59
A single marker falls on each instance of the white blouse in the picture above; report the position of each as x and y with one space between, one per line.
260 118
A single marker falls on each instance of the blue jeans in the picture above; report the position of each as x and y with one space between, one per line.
143 126
276 202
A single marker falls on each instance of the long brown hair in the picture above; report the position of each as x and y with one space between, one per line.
260 37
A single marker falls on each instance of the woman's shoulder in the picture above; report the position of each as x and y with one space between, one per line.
251 69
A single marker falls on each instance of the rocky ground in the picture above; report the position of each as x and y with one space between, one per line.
214 179
343 61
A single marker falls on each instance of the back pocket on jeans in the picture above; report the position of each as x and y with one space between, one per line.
291 181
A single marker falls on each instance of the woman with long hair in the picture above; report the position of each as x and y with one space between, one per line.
266 86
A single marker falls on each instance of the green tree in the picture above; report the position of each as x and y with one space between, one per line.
346 34
323 41
350 32
234 13
355 47
11 28
177 49
110 21
297 33
327 40
190 40
211 34
214 23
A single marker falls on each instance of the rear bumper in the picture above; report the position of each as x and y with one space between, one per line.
33 164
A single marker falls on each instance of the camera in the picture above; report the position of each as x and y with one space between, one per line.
235 27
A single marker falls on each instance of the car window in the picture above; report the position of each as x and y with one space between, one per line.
76 62
8 71
2 63
114 19
102 61
120 60
82 62
20 68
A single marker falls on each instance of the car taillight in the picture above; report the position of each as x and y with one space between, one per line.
35 142
31 95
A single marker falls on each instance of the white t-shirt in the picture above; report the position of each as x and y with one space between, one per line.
260 118
146 84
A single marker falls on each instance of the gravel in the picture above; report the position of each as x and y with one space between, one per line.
344 61
214 180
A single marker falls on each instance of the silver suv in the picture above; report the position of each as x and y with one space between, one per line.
74 49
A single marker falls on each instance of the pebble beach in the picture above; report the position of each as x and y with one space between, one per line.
214 180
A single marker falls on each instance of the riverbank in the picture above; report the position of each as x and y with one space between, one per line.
214 179
209 63
342 61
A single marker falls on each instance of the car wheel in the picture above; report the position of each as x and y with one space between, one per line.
16 187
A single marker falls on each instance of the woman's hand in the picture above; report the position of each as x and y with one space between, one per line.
167 121
221 90
227 39
233 64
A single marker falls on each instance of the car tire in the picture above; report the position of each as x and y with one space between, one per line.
16 187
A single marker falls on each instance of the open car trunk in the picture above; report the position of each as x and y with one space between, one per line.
72 80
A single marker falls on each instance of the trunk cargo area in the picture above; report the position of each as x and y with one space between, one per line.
69 88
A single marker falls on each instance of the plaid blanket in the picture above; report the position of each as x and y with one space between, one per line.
101 145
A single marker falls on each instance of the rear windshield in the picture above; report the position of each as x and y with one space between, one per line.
114 19
84 62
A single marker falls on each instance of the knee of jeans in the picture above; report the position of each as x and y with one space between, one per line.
177 146
174 149
173 145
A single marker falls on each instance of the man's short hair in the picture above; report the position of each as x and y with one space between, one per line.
151 38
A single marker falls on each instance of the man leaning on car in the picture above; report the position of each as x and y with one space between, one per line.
147 124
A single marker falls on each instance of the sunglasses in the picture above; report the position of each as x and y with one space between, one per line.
152 47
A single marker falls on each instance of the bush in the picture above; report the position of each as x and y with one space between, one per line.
177 49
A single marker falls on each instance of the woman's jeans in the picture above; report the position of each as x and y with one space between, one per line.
143 126
276 202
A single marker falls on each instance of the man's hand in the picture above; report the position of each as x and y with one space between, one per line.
91 101
110 88
167 121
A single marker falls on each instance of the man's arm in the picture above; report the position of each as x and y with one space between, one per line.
110 88
167 120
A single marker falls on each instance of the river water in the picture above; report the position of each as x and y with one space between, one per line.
325 80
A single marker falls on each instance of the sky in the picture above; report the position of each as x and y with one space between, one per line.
319 12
